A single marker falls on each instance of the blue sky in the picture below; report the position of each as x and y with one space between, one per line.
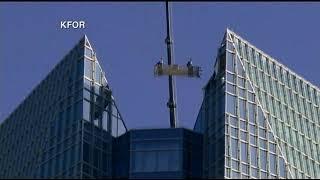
129 40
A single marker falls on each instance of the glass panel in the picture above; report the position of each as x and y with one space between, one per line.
245 169
253 129
231 88
79 69
244 152
235 175
114 122
231 104
234 132
263 143
263 175
231 78
251 111
150 159
87 84
263 159
96 88
86 152
243 136
240 69
272 147
235 165
233 121
273 161
253 140
163 160
121 128
282 167
98 73
230 62
105 120
254 156
96 157
262 133
88 69
234 148
243 125
242 92
261 118
255 172
242 108
86 110
86 94
174 164
230 46
241 82
88 52
138 159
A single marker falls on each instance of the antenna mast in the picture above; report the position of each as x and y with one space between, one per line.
171 103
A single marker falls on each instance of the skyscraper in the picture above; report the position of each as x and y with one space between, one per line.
66 126
258 119
70 127
267 117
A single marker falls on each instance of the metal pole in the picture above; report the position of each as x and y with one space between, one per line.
171 103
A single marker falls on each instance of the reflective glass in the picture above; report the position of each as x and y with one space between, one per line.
139 161
263 159
231 78
273 164
234 148
87 84
86 110
261 118
240 69
243 125
241 82
233 121
254 156
231 104
244 152
234 132
235 175
262 133
235 165
253 129
88 52
86 152
254 172
150 159
230 62
86 94
251 112
231 88
242 92
242 108
164 160
253 140
121 128
114 126
97 73
88 68
243 136
105 120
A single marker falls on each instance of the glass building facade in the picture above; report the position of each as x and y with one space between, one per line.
267 117
70 127
158 153
258 119
62 129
